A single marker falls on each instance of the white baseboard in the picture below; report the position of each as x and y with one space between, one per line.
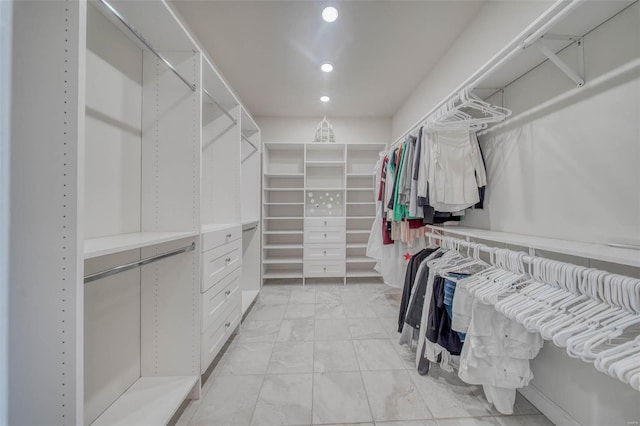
548 407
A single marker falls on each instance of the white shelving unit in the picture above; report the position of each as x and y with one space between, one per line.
296 175
361 207
283 210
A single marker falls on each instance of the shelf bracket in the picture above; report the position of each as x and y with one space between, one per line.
576 76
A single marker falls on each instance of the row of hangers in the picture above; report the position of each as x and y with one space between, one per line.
594 314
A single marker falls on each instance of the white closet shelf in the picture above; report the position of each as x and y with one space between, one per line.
283 232
360 259
211 227
274 275
285 217
325 188
356 245
284 189
282 246
248 296
604 253
362 274
284 204
103 246
371 174
249 223
284 175
365 203
149 401
282 260
325 163
360 189
358 231
361 217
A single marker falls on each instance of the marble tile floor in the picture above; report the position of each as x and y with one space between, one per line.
328 355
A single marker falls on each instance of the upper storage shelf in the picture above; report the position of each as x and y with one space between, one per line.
604 253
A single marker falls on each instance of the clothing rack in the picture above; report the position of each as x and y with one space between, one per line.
522 258
122 268
206 92
147 44
559 10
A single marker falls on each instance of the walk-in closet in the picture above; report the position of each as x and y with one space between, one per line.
319 213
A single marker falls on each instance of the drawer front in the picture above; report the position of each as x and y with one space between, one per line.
213 239
219 262
324 252
214 338
215 303
313 269
326 222
315 235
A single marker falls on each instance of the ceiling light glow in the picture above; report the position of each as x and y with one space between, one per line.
325 99
330 14
326 67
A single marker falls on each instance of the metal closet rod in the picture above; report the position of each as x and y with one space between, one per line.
219 106
557 12
146 43
117 269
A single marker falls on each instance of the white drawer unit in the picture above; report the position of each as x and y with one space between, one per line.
318 268
217 299
324 252
219 262
213 239
329 235
324 222
214 338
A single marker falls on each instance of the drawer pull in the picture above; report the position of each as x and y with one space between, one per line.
228 236
228 259
325 222
228 292
325 236
325 252
227 325
325 269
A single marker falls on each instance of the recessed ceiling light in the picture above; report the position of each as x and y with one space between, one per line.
325 99
330 14
326 67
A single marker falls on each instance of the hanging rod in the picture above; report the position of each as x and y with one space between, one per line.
117 269
146 43
526 38
219 106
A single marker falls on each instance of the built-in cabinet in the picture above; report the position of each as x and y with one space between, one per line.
318 211
128 260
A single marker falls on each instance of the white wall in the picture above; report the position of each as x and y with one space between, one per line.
347 130
569 169
497 23
5 101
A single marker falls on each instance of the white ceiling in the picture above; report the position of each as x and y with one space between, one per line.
271 51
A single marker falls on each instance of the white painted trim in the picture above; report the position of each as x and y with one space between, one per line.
548 407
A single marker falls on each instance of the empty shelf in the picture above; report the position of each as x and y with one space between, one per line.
281 260
372 174
272 275
363 203
360 259
283 232
282 246
358 231
102 246
356 245
284 189
325 163
284 204
284 175
360 189
362 274
285 217
361 217
326 189
149 401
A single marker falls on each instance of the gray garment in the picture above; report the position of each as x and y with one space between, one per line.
414 210
406 173
409 334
